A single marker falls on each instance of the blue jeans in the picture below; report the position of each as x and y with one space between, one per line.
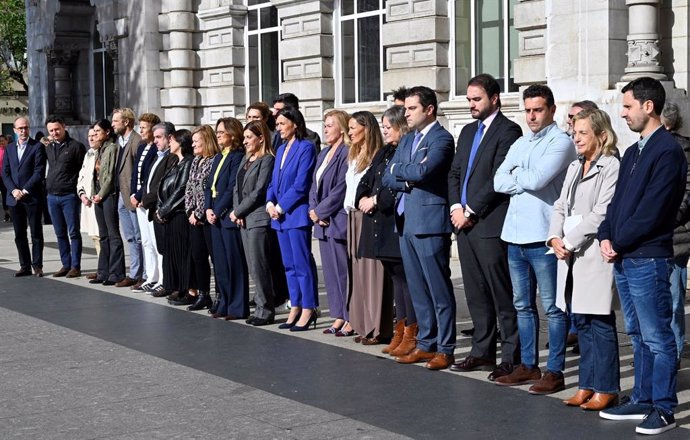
130 228
645 293
65 212
599 363
679 281
531 266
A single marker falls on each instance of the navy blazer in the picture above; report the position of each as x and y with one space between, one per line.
225 184
290 185
328 198
145 169
25 175
423 181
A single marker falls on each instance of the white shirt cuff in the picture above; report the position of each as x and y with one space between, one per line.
455 206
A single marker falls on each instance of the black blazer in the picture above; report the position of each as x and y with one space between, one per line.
383 241
489 206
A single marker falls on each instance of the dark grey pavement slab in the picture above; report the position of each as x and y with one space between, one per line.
80 363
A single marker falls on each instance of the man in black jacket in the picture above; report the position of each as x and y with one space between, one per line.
65 156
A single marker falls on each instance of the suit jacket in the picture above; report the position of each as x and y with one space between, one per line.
328 197
489 206
423 180
149 199
225 184
252 208
26 174
290 185
126 163
143 177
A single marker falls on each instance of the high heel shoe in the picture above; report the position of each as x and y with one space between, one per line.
289 325
305 327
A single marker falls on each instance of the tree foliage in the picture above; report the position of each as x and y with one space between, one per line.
13 41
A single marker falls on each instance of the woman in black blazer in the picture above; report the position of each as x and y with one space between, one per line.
177 276
259 240
382 240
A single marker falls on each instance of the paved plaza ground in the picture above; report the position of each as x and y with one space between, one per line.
84 362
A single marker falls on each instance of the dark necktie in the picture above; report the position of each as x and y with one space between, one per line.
473 152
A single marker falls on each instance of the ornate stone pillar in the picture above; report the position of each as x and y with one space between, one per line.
643 40
62 61
112 49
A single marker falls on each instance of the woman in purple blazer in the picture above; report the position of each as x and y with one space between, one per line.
328 214
287 203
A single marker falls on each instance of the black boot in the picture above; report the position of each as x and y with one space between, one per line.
203 301
216 302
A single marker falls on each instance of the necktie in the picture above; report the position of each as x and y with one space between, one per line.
473 152
415 143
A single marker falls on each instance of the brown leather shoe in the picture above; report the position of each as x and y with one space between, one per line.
409 341
398 332
549 383
61 273
502 369
579 398
91 276
417 355
471 363
440 361
600 401
520 376
126 282
38 272
73 273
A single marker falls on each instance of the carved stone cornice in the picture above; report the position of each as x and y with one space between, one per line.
62 56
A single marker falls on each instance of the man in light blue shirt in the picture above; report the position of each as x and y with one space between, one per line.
532 174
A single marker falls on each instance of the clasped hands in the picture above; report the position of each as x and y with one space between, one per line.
458 219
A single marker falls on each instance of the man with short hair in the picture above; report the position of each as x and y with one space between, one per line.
637 236
290 100
399 95
532 175
162 133
418 173
23 167
128 141
575 109
477 213
65 156
146 156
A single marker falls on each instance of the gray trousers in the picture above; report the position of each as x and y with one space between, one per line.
257 249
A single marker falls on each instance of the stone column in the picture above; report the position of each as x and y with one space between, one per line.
178 63
306 51
221 55
643 40
113 52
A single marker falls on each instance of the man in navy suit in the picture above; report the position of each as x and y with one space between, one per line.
477 213
22 172
418 172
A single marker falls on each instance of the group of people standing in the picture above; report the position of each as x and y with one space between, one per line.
549 211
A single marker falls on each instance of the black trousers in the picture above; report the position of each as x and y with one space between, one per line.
111 260
200 240
403 301
178 273
23 216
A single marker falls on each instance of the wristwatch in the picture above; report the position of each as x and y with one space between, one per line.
468 214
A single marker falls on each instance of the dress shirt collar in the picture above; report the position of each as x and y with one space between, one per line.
643 141
543 132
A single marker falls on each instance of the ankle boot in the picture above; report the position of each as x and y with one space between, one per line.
409 341
214 305
203 301
397 337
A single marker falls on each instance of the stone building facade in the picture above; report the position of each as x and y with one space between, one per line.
193 61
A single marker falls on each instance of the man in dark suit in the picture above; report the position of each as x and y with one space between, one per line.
477 213
22 173
418 172
291 100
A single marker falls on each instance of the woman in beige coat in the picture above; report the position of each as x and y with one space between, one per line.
85 191
585 281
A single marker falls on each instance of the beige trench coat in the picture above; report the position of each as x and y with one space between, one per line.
85 186
592 278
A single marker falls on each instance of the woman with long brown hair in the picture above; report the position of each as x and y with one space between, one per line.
229 264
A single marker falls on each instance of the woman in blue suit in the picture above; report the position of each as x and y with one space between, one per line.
287 202
229 264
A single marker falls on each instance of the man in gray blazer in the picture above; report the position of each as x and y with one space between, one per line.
128 141
418 172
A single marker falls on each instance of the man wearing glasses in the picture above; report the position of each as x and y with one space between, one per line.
23 169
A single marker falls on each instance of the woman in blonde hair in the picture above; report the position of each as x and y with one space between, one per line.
326 199
205 147
259 240
585 280
367 281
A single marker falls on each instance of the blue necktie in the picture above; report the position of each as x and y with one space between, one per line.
415 143
473 152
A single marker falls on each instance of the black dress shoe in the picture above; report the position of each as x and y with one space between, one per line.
23 272
471 363
96 281
161 293
250 319
467 332
109 283
214 306
187 300
258 322
203 301
502 369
